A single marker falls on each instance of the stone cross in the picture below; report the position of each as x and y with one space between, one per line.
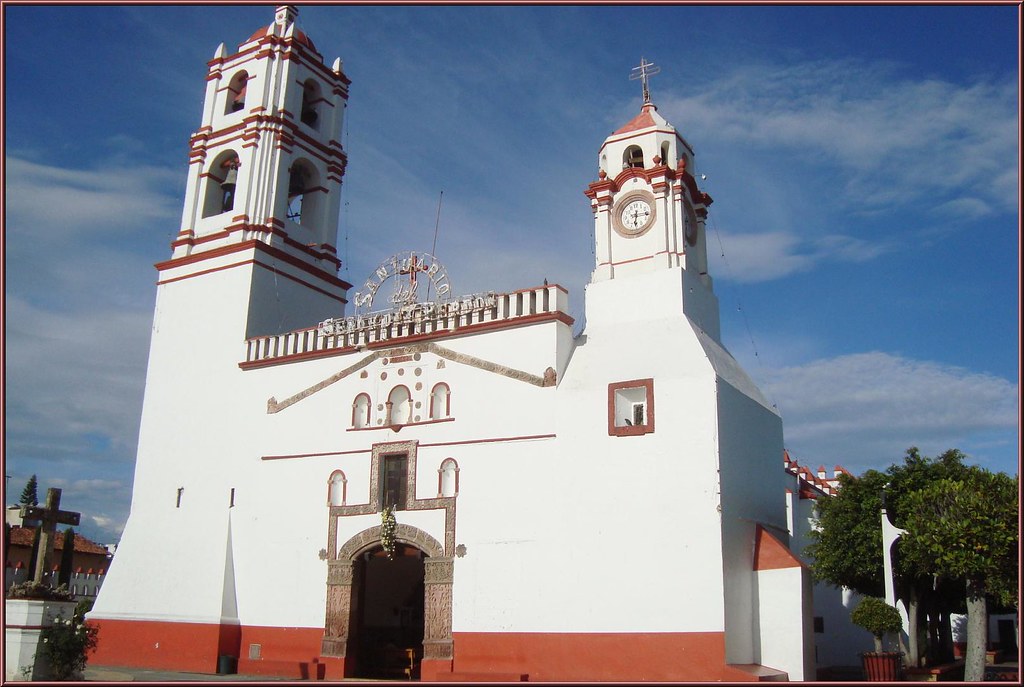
645 71
49 515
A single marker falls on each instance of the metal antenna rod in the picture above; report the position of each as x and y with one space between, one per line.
437 223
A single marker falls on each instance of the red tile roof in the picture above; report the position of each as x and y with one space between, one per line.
23 536
641 121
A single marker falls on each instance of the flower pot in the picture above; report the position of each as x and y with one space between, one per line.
886 666
25 620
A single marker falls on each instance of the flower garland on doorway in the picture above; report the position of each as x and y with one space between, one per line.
387 531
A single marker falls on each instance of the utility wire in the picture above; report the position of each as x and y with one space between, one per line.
739 304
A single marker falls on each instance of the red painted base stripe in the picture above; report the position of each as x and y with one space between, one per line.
196 647
188 647
589 657
547 657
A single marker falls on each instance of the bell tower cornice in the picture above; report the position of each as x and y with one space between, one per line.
659 176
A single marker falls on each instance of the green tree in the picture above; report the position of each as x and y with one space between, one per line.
847 546
30 494
966 529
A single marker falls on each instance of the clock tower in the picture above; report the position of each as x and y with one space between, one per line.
649 217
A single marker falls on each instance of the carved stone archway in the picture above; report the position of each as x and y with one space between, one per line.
437 595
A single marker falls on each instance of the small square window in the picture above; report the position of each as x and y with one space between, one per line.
631 407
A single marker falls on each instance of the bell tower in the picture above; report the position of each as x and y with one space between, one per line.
649 217
265 172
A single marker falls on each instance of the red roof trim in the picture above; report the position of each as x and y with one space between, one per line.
772 554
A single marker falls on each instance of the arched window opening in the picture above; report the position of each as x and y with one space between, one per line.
310 104
302 187
337 488
221 182
448 478
665 148
633 157
440 401
236 93
227 186
399 406
361 411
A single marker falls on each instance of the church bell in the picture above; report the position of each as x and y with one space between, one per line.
230 179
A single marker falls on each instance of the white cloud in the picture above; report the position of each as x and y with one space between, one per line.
896 141
864 410
748 258
822 153
52 204
73 378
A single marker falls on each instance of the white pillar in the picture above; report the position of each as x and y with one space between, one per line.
890 533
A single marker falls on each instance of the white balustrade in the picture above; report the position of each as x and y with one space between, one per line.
417 320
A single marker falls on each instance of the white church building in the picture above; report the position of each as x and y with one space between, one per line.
602 507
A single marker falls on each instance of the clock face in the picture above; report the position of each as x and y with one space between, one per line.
635 215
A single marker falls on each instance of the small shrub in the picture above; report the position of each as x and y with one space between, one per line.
66 645
877 617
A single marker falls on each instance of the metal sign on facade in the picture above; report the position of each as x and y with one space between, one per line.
415 278
409 272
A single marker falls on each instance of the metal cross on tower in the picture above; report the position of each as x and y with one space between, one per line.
645 70
50 515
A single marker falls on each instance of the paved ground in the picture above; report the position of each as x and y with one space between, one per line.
105 674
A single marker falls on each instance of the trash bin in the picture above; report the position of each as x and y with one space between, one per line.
227 665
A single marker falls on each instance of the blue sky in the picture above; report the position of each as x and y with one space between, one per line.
864 238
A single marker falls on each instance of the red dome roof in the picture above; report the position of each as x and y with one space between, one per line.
299 36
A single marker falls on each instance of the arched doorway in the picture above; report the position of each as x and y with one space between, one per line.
345 634
386 635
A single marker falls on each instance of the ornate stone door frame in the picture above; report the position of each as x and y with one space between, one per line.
438 565
437 594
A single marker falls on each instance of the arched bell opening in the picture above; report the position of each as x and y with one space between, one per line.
304 194
235 101
311 99
633 157
221 184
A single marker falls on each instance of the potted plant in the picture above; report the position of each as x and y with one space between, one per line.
31 609
880 619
